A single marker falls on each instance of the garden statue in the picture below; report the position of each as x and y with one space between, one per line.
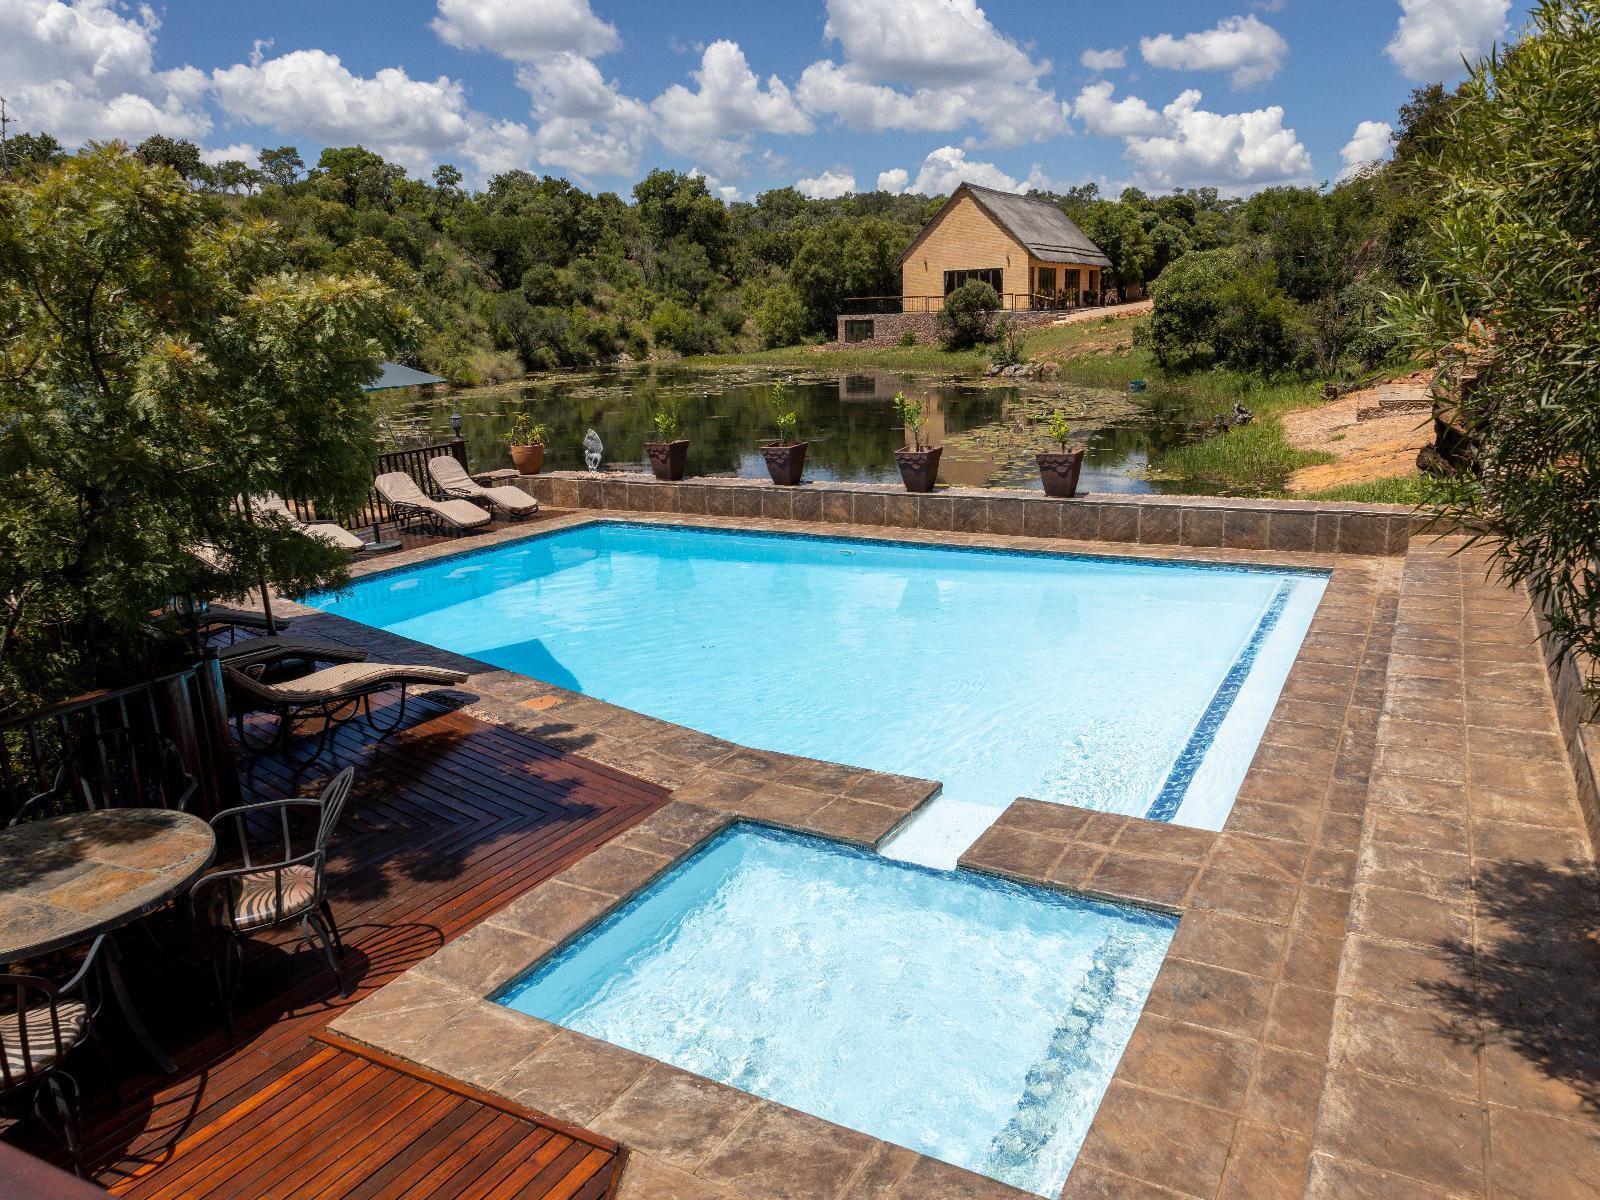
593 448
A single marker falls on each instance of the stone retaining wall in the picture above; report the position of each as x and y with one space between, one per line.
1579 729
1284 525
889 328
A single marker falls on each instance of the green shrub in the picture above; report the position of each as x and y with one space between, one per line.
781 317
967 319
1509 300
1222 308
677 328
908 338
1007 344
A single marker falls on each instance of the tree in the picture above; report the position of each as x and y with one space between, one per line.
175 153
848 256
28 152
282 165
156 363
1116 228
1509 301
967 318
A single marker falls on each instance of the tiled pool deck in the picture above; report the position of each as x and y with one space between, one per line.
1351 1006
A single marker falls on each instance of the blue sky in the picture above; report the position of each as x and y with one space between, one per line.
831 95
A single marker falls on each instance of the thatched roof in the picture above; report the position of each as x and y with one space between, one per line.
1047 232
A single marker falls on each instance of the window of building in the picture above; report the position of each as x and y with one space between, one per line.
993 276
1047 284
858 331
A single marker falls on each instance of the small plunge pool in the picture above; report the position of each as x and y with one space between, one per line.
965 1017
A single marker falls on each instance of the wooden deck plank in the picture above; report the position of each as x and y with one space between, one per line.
451 819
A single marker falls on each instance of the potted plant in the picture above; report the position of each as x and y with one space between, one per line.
919 462
526 443
786 458
669 452
1058 469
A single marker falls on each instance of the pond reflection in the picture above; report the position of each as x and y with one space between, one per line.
990 432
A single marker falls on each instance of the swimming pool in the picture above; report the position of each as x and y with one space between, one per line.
1126 685
970 1019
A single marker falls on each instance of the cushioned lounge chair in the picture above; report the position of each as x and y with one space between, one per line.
271 505
282 649
410 502
330 696
453 480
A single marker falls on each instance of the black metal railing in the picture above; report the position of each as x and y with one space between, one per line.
413 462
162 743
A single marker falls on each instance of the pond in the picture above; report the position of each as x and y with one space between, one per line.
990 430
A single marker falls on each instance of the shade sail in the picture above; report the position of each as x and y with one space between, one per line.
393 375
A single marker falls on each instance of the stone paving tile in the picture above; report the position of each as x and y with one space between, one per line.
1466 1058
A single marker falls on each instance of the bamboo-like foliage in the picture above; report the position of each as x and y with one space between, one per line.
1512 296
156 362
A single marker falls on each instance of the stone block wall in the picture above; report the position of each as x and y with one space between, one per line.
888 328
1282 525
1579 728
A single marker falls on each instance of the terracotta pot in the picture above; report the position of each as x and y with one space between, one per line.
919 469
668 458
786 461
1059 470
528 459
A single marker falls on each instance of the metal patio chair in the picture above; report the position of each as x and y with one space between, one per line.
280 879
40 1024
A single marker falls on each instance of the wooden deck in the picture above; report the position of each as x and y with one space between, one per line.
450 820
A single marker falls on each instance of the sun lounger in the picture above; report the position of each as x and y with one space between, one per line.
281 649
453 480
409 501
330 696
271 505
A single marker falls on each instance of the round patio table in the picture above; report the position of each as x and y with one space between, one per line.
65 880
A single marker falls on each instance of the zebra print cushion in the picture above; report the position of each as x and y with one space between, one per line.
74 1018
266 897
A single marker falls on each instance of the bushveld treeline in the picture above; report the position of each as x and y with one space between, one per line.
533 272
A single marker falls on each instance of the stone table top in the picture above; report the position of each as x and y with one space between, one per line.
66 879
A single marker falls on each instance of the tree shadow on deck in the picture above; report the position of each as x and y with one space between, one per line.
1531 982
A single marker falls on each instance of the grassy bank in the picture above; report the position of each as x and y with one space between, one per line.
1255 459
1049 344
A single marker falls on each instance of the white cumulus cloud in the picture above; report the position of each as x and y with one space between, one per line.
1434 36
1237 151
1371 141
87 71
586 125
948 167
893 180
929 65
714 122
1128 117
925 42
310 93
1104 60
526 30
1246 46
829 185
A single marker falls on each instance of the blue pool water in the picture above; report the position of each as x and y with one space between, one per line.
1124 685
967 1018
